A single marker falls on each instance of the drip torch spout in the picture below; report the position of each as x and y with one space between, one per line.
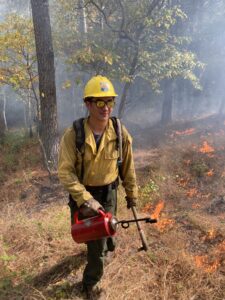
126 223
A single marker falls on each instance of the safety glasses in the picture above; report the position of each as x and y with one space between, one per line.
101 103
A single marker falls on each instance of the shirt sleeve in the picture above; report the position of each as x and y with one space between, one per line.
128 171
66 168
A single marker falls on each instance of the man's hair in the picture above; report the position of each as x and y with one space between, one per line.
88 99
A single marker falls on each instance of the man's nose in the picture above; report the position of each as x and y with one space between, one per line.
105 107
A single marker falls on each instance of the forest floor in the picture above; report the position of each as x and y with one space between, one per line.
181 177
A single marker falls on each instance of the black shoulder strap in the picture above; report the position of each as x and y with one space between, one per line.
78 126
119 144
118 129
115 126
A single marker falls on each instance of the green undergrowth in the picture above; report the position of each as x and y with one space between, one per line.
16 152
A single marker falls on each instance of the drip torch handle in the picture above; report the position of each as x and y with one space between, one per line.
141 232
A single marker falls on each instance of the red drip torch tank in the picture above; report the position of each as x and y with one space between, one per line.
94 228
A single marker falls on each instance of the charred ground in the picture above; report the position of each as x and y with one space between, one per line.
181 172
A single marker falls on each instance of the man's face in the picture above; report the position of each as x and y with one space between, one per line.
100 108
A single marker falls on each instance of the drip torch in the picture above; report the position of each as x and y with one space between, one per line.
105 225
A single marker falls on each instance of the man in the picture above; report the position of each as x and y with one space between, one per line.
91 177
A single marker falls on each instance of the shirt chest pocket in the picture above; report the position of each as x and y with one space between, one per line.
111 151
88 154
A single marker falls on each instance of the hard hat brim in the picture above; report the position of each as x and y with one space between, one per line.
99 95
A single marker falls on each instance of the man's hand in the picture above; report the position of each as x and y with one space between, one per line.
90 208
131 202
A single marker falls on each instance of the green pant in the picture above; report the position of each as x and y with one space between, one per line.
96 250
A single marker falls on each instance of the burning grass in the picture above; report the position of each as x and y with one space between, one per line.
189 131
205 264
206 148
165 273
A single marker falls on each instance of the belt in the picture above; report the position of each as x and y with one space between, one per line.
103 188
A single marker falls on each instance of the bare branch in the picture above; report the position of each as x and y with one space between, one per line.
121 32
123 15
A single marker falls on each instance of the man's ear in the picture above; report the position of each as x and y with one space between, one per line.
88 104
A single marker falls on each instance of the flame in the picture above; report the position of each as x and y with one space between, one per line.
210 235
210 173
186 132
147 207
192 192
206 148
158 210
213 266
200 260
164 224
204 263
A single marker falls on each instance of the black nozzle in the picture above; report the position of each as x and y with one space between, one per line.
149 220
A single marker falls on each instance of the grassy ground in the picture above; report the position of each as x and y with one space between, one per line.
181 182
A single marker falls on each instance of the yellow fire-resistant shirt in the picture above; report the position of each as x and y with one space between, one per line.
100 166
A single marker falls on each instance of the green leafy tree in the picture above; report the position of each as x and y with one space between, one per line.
128 40
18 67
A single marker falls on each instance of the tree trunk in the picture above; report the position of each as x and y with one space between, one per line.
123 99
82 17
222 107
128 84
4 105
2 120
47 89
166 116
30 116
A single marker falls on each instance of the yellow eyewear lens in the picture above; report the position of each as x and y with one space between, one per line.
101 103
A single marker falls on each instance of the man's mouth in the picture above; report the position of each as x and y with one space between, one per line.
104 114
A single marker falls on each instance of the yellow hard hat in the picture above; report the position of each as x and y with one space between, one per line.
99 86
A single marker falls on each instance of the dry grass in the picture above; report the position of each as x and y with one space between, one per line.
36 249
44 263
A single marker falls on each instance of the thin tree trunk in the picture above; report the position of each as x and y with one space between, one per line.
222 107
127 85
166 116
47 89
25 116
2 122
4 114
30 116
83 19
122 105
